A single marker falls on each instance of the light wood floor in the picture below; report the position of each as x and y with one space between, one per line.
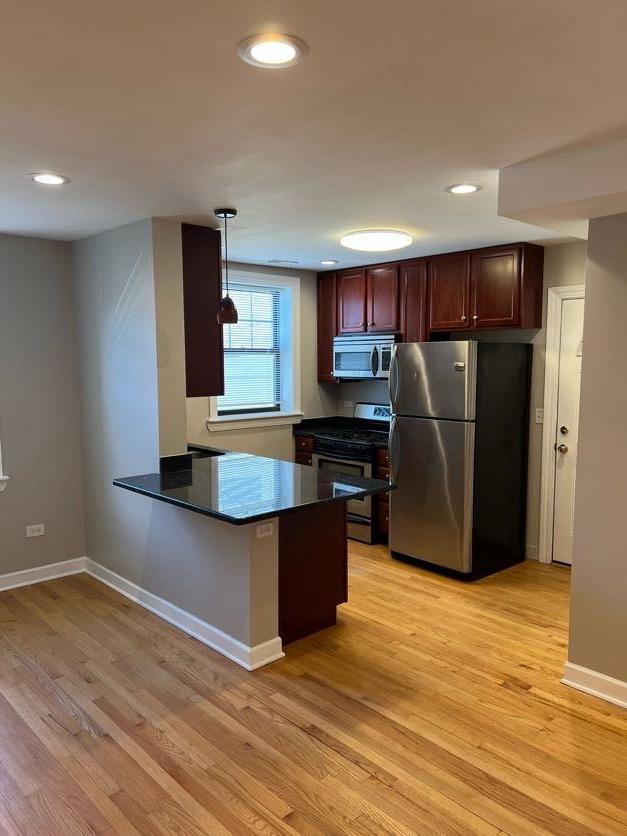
433 707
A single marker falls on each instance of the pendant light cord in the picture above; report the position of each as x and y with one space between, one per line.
226 255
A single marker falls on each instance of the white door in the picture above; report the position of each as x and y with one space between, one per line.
567 428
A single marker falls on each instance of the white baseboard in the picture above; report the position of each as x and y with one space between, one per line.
246 656
531 553
595 683
26 577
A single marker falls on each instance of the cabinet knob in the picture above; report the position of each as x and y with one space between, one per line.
463 317
371 325
361 324
475 316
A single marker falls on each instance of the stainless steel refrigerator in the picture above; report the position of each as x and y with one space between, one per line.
458 453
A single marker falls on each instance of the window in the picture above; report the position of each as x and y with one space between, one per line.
252 352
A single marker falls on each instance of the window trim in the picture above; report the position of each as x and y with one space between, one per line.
290 412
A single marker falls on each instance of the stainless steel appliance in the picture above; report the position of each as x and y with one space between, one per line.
359 356
458 453
350 448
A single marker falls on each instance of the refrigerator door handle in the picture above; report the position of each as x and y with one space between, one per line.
394 380
394 451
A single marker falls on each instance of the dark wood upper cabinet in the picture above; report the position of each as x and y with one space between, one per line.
327 324
449 292
382 305
413 301
202 290
495 282
506 287
351 301
494 287
531 285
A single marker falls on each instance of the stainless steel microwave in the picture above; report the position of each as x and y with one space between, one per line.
362 356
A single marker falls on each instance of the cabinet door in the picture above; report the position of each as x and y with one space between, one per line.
382 293
449 292
351 300
327 324
495 282
202 291
413 307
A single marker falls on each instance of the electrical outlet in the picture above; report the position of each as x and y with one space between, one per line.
348 404
539 416
35 530
265 530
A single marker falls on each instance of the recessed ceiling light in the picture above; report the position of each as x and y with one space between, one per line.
463 188
271 51
376 240
328 262
47 178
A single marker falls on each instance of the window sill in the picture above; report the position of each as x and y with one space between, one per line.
227 423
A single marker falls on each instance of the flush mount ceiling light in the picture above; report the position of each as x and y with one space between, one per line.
329 262
271 51
47 178
376 240
463 188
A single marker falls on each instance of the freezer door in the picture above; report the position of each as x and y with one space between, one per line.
434 380
431 462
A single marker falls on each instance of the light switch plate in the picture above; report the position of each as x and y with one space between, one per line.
265 530
539 419
348 404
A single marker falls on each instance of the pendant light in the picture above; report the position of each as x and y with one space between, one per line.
227 312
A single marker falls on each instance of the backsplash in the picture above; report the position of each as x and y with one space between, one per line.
362 391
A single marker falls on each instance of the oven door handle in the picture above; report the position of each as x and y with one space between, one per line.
340 457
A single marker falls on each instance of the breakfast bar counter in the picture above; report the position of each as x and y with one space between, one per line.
293 524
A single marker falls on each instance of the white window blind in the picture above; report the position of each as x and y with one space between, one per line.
252 354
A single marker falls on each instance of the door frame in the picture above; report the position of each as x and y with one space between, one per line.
556 296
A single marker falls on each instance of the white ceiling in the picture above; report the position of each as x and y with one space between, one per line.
147 107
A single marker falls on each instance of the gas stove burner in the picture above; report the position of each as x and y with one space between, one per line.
349 435
357 436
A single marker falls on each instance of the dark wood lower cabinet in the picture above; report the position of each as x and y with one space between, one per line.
381 503
303 449
313 569
383 520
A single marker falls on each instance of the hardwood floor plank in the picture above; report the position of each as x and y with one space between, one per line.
434 706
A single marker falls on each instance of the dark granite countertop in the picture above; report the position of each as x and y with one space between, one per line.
239 488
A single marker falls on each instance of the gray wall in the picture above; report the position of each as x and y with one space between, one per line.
598 624
204 566
40 424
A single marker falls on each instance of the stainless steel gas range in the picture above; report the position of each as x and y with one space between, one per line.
350 448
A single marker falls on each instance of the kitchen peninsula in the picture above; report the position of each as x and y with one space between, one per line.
281 546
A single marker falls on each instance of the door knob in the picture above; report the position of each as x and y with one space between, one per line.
562 448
